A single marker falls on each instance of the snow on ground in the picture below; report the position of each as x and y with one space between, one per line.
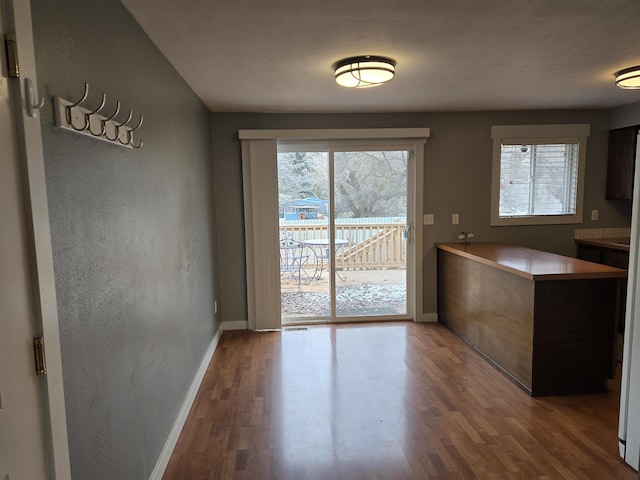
357 299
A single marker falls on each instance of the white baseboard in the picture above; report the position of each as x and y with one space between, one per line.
172 439
427 318
234 325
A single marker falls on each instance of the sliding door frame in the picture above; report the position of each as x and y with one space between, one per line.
259 162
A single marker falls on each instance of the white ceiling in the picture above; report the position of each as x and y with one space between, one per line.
452 55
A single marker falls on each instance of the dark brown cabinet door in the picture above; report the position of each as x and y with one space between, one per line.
621 164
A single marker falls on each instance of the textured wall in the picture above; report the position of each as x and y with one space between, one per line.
457 180
625 116
132 237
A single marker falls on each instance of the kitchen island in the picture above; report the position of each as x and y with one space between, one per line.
546 320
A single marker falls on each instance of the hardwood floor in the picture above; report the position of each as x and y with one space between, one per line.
384 401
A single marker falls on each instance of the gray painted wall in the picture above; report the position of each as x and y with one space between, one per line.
625 116
132 237
457 180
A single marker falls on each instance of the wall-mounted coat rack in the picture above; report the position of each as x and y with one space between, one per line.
73 116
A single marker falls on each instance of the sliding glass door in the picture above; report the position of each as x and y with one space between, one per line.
303 201
370 192
343 216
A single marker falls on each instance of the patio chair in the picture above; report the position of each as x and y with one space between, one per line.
292 260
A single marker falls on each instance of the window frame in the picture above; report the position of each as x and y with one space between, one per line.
538 134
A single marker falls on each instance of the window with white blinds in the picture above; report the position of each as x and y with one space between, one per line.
538 180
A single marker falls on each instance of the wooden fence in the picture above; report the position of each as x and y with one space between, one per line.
369 245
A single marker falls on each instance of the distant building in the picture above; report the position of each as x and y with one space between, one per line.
304 209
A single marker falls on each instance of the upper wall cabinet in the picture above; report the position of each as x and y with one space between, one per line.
621 165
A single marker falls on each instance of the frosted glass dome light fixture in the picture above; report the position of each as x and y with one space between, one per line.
364 71
628 78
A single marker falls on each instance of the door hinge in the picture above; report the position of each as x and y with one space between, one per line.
12 55
40 356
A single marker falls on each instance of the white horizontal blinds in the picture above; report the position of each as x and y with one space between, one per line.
538 178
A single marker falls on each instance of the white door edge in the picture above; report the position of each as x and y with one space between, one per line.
40 249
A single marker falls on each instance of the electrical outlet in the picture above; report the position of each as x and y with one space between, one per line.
594 214
428 219
455 219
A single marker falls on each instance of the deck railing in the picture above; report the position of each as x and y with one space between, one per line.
369 245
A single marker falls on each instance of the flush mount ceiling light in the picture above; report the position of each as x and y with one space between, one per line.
365 71
628 78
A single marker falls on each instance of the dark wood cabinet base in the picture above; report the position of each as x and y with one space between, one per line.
553 337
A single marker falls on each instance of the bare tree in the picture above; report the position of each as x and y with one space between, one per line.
370 184
366 183
302 175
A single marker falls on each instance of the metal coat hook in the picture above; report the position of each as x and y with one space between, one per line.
129 132
32 98
117 127
69 107
104 100
129 117
139 124
103 123
90 114
96 125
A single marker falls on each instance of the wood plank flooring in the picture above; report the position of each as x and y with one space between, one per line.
384 401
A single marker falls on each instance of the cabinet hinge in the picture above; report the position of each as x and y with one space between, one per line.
12 55
40 356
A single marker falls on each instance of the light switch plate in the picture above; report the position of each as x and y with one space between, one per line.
428 219
455 218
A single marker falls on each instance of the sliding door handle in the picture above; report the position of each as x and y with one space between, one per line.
406 234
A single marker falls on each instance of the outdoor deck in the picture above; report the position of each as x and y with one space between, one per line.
370 261
372 245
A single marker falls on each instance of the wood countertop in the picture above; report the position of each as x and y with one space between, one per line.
612 243
531 264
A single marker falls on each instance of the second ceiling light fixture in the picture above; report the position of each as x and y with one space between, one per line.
364 71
